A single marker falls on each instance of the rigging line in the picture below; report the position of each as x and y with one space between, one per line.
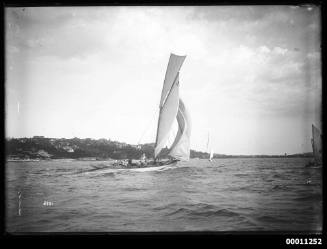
146 128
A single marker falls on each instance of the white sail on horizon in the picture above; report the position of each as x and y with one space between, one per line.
211 154
208 146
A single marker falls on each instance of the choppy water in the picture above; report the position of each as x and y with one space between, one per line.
275 194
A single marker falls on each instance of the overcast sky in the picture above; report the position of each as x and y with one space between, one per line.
251 78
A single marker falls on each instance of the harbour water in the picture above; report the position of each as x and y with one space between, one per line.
242 194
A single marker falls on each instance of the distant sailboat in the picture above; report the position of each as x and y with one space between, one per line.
316 142
211 155
211 151
316 145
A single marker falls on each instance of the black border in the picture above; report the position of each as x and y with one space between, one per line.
262 239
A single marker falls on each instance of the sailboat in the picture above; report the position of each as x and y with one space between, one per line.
211 151
316 145
171 109
211 155
316 142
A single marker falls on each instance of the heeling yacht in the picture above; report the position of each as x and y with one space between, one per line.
171 109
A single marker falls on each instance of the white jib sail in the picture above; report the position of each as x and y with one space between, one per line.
180 148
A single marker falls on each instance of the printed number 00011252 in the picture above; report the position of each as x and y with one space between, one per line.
305 241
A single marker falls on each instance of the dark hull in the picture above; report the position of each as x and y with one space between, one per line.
147 165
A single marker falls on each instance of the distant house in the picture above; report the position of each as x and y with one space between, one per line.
43 153
68 149
23 140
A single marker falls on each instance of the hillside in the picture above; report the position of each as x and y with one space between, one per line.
39 147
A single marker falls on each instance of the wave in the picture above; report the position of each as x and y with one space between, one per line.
203 211
165 207
271 219
184 170
40 172
313 197
109 174
94 168
241 175
155 168
133 189
279 187
63 170
276 175
111 168
106 174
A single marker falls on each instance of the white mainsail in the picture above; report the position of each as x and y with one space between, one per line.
174 65
172 108
316 145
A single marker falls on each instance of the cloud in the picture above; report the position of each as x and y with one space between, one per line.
243 64
61 32
261 81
